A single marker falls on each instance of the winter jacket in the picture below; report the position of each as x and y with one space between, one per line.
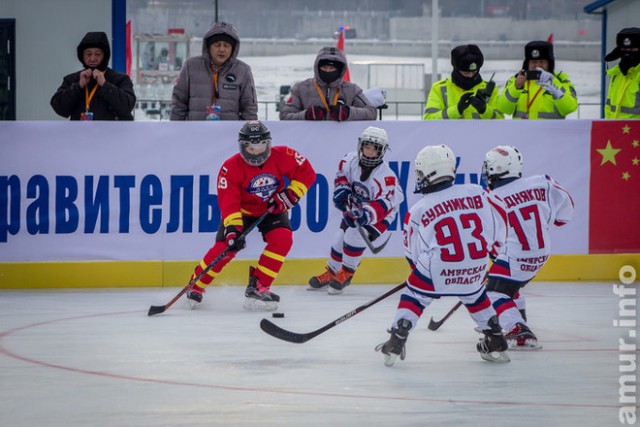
623 98
533 102
444 95
114 100
194 90
304 94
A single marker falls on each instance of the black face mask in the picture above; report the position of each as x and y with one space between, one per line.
329 77
463 82
629 60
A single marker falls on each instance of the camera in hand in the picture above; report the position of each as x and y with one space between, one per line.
533 74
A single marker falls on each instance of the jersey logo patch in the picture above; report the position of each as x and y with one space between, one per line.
389 180
263 186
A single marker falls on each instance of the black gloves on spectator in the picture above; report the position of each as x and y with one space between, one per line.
339 112
464 102
479 103
232 235
315 113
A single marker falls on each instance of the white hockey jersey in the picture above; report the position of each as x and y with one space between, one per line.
381 190
448 237
533 205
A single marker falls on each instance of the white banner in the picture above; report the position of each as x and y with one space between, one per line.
146 190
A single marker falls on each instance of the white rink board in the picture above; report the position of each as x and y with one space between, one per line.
57 152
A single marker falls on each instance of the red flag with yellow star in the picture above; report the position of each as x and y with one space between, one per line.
614 213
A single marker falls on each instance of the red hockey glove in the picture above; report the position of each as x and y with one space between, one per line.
283 201
339 113
232 235
315 113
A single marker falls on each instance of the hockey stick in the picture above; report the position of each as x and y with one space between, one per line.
368 242
293 337
433 325
353 206
157 309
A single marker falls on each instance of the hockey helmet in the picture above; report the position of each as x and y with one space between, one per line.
255 142
503 161
434 164
379 139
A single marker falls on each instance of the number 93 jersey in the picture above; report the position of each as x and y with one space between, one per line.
448 237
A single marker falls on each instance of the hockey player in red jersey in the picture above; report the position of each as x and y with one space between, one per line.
448 235
368 194
249 184
533 205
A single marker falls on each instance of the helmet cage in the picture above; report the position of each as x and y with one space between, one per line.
376 137
254 134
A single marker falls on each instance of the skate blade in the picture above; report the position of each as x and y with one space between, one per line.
528 346
192 304
333 291
251 304
496 357
323 288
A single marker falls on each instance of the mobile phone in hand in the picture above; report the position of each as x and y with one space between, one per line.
533 74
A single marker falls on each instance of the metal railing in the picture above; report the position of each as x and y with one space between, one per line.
393 110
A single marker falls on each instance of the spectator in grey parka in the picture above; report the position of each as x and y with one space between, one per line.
326 96
215 85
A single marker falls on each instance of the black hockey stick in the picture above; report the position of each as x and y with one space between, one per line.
157 309
433 325
365 237
276 331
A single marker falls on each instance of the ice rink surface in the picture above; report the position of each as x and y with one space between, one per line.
94 358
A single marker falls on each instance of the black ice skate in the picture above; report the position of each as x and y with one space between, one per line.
195 295
258 296
394 347
521 338
493 347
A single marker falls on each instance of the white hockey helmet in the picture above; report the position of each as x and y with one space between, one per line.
379 139
434 164
503 161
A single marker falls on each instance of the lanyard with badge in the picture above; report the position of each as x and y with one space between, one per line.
324 99
213 111
87 115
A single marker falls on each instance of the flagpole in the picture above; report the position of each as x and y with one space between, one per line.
434 41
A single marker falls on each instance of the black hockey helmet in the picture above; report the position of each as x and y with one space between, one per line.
255 142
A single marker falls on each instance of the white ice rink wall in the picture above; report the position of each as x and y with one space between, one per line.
134 204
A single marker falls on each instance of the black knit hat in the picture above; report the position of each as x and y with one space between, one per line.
467 58
222 37
539 49
97 39
626 38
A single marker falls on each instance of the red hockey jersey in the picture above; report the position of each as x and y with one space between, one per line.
245 190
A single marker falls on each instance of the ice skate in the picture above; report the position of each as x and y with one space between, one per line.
340 281
521 338
194 296
493 347
321 281
395 346
258 296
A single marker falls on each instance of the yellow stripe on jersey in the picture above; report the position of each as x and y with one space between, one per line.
298 188
233 219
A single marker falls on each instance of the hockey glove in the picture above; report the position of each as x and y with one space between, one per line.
339 113
360 217
283 201
341 197
315 113
464 102
232 235
479 103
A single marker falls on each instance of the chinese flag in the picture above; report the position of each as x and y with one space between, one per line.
128 48
614 208
340 46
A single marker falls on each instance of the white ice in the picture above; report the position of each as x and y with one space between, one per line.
80 357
